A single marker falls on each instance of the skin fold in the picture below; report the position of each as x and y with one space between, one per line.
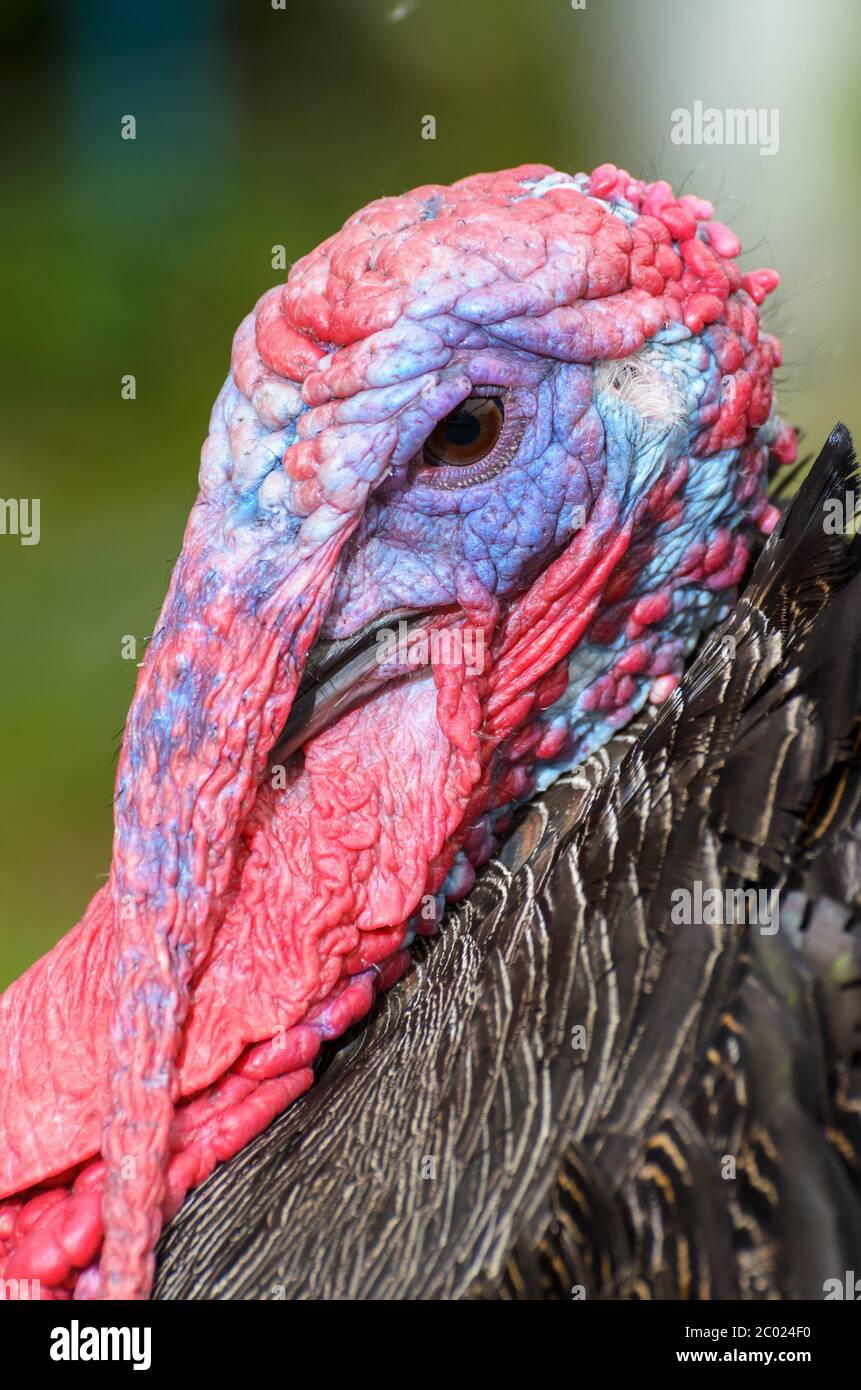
254 909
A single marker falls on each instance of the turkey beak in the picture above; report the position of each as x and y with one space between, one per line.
340 674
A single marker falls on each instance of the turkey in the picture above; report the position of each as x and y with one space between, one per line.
484 471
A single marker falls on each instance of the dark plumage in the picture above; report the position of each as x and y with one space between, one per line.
702 1137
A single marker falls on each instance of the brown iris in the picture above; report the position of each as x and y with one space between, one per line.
467 434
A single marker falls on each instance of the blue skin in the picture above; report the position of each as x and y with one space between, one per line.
578 444
580 447
572 450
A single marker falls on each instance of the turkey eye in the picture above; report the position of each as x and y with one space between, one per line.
468 433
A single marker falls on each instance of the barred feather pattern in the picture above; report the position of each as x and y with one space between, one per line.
572 1095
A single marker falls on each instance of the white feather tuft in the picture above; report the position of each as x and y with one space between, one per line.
644 387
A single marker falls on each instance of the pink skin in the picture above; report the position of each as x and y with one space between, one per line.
244 923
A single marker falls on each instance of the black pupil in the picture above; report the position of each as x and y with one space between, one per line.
462 428
467 434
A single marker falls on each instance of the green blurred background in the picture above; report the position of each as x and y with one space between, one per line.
259 126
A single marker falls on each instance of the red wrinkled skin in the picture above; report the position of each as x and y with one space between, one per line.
245 923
